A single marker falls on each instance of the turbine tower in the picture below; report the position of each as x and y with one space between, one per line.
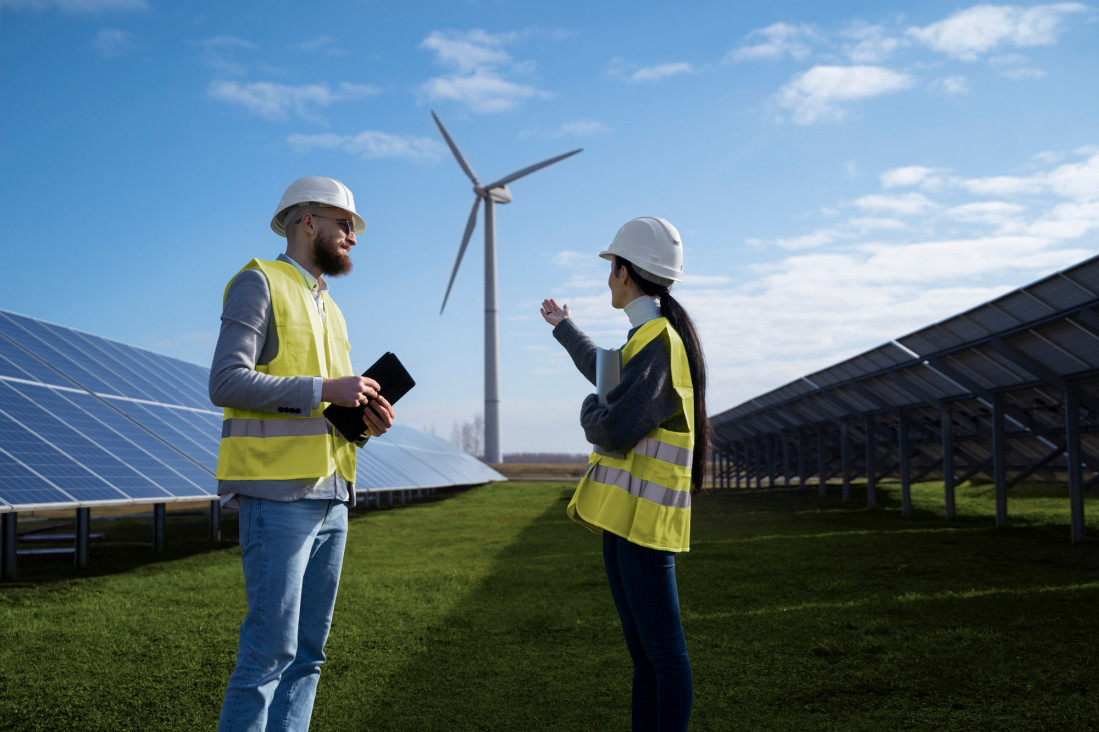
493 193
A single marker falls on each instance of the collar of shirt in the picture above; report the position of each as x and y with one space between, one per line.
317 285
642 310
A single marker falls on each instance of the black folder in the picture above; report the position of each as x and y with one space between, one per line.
395 382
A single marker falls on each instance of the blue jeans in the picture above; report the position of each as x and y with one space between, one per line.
642 582
292 555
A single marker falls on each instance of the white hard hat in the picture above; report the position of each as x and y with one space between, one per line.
314 189
653 246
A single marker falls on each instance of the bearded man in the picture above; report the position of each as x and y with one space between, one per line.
281 358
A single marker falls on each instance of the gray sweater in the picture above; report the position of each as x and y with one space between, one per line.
642 401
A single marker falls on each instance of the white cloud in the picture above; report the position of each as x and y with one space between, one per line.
808 241
912 176
482 71
372 144
775 42
951 85
661 71
870 223
576 128
112 43
904 204
327 44
971 32
1068 221
817 94
77 6
278 101
994 213
1002 185
869 44
482 91
1079 181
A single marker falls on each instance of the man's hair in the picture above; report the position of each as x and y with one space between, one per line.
295 213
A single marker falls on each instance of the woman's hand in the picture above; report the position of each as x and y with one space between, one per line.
553 314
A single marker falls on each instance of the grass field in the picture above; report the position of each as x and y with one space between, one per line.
489 611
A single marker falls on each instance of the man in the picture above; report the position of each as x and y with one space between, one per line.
281 357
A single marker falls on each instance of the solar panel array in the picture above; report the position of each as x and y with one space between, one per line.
87 421
1009 387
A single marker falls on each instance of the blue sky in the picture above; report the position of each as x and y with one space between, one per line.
842 173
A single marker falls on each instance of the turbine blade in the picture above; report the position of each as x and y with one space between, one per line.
526 171
457 153
462 249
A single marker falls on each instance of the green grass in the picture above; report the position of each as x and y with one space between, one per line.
489 610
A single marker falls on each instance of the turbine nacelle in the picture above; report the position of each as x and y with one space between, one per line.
499 194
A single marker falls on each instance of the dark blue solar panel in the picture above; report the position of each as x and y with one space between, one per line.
22 485
34 336
123 373
75 431
22 365
51 449
199 446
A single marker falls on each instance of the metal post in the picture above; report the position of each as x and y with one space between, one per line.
1075 473
158 528
822 486
785 460
906 473
871 464
845 460
771 461
492 355
215 520
10 522
947 420
801 459
83 519
999 458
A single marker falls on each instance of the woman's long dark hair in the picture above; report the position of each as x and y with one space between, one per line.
677 316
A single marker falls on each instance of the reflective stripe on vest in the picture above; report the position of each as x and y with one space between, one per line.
300 427
267 446
643 489
645 496
665 452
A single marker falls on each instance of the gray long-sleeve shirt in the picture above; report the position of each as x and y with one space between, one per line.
248 338
643 400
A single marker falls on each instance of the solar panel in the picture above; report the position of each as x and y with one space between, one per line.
85 420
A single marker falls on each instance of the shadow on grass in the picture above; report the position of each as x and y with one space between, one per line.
799 613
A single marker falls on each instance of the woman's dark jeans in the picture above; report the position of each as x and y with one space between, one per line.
642 582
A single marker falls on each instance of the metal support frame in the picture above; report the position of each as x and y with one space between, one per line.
947 434
158 527
999 457
1075 469
10 523
845 460
905 464
215 520
802 477
785 460
83 522
822 467
871 478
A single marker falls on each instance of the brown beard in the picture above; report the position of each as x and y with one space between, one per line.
329 257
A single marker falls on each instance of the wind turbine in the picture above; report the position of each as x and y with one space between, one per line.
492 194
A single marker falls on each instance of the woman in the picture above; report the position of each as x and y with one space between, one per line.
651 437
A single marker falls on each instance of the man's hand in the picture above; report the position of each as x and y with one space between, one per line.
553 314
349 391
378 416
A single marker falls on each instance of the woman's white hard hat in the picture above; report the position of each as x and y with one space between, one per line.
315 189
653 246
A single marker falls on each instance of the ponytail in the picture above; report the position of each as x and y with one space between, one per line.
677 316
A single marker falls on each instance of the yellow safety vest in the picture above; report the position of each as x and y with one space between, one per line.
645 497
271 446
